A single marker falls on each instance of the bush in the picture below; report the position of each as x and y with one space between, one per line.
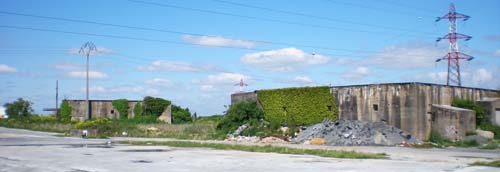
298 106
65 112
478 109
122 106
138 109
239 114
154 106
180 115
19 109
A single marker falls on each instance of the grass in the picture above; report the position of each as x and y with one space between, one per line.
194 131
495 163
268 149
57 127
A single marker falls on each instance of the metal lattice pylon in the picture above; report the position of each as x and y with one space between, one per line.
454 56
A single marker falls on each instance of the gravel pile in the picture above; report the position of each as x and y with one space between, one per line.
349 132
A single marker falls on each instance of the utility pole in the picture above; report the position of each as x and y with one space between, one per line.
453 57
57 98
241 84
87 49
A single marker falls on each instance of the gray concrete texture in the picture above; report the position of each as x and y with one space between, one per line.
492 106
22 150
451 122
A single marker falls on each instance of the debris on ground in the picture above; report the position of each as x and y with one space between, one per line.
273 140
352 133
246 139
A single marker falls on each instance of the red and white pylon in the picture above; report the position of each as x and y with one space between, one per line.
241 84
453 57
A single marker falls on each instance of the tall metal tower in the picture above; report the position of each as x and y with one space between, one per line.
87 49
454 56
241 84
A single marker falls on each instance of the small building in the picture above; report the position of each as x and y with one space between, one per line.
492 106
104 108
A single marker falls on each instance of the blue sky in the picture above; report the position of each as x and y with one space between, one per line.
193 52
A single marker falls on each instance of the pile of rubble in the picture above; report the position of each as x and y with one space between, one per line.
349 132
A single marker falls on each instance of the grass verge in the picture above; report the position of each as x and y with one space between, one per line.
490 164
268 149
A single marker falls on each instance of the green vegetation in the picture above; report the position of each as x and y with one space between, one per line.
37 123
495 163
482 121
154 106
19 109
138 109
298 106
180 115
65 112
122 106
243 113
268 148
442 142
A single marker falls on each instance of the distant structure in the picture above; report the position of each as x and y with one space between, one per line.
415 107
242 84
453 57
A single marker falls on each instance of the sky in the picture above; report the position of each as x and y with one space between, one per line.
195 52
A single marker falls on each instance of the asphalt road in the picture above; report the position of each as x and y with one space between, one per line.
25 151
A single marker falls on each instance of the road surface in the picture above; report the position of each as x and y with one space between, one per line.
23 150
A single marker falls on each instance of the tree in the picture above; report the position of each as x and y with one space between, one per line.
154 106
180 115
19 108
122 106
138 109
240 113
65 114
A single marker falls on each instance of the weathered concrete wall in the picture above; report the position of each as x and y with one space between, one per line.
403 105
246 96
451 122
492 106
99 108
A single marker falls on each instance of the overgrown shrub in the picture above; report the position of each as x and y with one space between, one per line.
239 114
65 112
482 120
298 106
138 109
122 106
154 106
469 104
180 115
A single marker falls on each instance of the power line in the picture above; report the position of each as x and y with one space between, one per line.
398 3
256 18
145 39
317 17
375 8
175 32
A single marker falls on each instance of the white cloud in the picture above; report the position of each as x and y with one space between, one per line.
83 74
66 66
95 89
481 76
497 53
207 88
127 89
99 51
221 81
175 66
7 69
152 92
282 60
159 82
358 73
303 80
218 41
225 78
413 55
